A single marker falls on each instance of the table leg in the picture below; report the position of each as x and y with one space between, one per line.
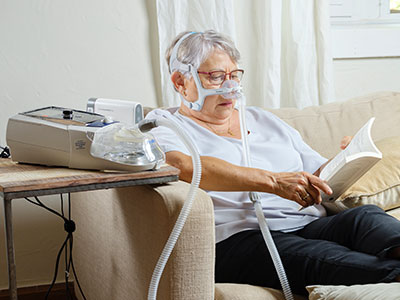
12 274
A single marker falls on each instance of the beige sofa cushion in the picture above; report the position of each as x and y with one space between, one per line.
230 291
384 291
320 128
380 186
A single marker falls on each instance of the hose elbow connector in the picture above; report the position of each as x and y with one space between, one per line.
147 124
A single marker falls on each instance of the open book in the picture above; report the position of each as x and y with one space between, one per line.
351 163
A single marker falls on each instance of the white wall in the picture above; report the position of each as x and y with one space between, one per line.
64 52
356 77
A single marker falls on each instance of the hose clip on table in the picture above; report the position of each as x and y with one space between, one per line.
22 180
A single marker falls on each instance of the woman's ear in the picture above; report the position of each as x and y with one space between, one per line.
178 80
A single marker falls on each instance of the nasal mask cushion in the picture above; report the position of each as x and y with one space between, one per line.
229 90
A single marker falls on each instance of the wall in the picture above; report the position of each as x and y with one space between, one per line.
356 77
64 52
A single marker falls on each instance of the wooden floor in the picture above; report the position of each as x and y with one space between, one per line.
39 292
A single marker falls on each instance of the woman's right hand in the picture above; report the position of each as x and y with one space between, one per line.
301 187
219 175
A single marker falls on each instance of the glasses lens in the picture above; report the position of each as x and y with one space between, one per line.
237 75
217 77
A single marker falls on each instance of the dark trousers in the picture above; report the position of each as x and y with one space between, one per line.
344 249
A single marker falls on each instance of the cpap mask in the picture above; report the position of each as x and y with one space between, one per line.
230 88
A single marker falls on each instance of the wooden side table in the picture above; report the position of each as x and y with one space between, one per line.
22 180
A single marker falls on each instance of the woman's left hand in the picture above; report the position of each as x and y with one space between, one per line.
345 141
343 145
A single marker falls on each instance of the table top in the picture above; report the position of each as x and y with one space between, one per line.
24 180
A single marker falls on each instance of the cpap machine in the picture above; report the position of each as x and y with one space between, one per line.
57 136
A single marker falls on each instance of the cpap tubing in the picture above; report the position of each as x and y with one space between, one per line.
257 204
235 92
169 246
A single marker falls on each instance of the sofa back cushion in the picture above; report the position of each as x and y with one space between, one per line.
323 127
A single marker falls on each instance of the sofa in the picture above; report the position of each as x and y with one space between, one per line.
121 232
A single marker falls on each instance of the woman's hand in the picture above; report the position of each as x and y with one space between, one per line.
345 141
301 187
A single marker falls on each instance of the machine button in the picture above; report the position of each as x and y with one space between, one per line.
67 114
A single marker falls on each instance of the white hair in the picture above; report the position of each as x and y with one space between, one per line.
197 47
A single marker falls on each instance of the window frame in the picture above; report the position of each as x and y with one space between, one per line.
364 29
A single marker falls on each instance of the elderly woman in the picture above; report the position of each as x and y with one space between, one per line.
360 245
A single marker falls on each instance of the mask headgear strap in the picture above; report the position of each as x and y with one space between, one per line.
176 65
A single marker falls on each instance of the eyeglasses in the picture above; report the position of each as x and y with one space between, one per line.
218 77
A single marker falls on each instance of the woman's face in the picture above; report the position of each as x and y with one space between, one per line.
214 106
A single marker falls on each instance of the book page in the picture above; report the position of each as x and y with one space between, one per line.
361 143
339 182
351 163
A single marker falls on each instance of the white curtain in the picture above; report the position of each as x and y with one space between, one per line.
175 16
285 46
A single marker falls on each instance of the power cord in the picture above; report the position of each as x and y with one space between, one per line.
69 227
5 153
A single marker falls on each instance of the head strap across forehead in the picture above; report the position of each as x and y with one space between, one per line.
174 63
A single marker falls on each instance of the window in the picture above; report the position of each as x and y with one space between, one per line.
362 11
365 28
390 10
341 9
394 6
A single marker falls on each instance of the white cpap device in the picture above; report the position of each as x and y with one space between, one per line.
56 136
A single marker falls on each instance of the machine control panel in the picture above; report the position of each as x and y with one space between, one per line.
66 116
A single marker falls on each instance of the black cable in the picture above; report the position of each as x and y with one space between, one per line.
76 277
67 292
49 209
68 261
62 205
5 153
66 272
39 203
69 206
56 268
69 227
29 200
68 266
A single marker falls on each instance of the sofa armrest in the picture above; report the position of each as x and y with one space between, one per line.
121 233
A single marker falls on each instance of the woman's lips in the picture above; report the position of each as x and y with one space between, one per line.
226 103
